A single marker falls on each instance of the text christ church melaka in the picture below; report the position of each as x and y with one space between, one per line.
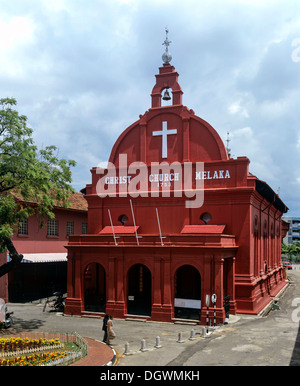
174 219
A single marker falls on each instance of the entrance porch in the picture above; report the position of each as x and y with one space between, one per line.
160 283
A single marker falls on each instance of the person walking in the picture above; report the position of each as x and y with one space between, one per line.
110 331
104 327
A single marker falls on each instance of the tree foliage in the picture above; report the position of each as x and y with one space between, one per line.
292 251
36 176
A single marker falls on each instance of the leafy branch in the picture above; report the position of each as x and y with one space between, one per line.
31 175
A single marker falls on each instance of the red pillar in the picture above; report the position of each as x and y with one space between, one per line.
74 303
162 304
156 312
110 287
167 282
120 306
231 285
219 286
213 284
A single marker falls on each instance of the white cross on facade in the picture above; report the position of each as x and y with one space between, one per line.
164 133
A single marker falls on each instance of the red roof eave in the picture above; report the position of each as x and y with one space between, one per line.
203 229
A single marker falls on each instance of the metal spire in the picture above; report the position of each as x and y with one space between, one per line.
167 57
167 42
228 140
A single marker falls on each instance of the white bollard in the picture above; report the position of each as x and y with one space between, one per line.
180 340
192 336
127 349
157 344
203 332
143 345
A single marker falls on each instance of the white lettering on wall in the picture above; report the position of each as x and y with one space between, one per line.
212 175
165 177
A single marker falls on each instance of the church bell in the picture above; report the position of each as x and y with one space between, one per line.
166 96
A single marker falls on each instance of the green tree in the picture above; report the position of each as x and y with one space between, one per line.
297 244
284 248
37 176
292 251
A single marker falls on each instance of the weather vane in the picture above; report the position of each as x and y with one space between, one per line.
167 57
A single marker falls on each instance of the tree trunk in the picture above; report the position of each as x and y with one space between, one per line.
16 258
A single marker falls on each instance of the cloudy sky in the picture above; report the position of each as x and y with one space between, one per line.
83 70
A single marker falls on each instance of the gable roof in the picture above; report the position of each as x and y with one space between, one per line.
76 202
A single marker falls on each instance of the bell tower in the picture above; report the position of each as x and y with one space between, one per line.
166 79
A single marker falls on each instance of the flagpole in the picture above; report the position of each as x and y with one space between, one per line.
137 239
112 227
161 239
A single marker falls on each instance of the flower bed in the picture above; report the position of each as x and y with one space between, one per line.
57 350
11 345
41 359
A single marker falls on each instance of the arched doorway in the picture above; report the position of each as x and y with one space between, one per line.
187 302
139 290
94 288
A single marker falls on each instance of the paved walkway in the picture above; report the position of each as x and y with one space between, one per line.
273 340
99 354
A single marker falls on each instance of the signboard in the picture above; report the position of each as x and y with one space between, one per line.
187 303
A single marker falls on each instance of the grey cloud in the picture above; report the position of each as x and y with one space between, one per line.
277 73
90 69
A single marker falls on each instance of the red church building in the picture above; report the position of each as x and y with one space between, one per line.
173 220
